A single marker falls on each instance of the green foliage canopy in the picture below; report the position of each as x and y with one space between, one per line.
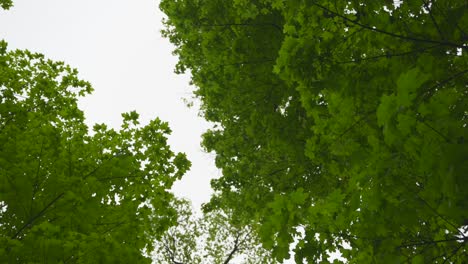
67 195
6 4
347 119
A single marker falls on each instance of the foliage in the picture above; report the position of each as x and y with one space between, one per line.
67 195
178 244
347 119
6 4
211 239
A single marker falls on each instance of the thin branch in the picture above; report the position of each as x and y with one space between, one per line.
6 123
453 253
36 178
440 84
110 223
70 259
447 139
247 62
98 167
243 25
447 19
424 243
439 215
408 38
426 5
113 227
12 183
233 251
120 177
170 252
274 172
41 213
389 55
70 163
366 115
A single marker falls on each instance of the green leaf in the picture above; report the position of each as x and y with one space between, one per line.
408 85
419 259
386 110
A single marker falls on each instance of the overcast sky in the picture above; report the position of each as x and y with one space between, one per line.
117 46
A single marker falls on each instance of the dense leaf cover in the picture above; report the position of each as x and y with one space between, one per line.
6 4
344 119
67 195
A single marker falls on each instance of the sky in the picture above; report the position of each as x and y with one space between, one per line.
116 45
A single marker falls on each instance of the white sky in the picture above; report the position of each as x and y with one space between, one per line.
117 46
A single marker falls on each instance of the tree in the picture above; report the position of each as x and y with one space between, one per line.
346 119
212 238
6 4
68 195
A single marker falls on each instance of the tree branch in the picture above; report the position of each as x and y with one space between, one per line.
439 215
171 254
453 253
41 213
447 19
389 55
424 243
408 38
113 227
447 139
233 251
120 177
429 10
440 84
247 62
98 167
36 178
366 115
243 25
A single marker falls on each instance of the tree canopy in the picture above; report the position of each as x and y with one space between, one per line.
6 4
209 239
344 119
68 195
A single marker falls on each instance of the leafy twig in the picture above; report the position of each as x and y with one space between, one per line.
41 213
444 43
424 243
439 215
389 55
426 5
